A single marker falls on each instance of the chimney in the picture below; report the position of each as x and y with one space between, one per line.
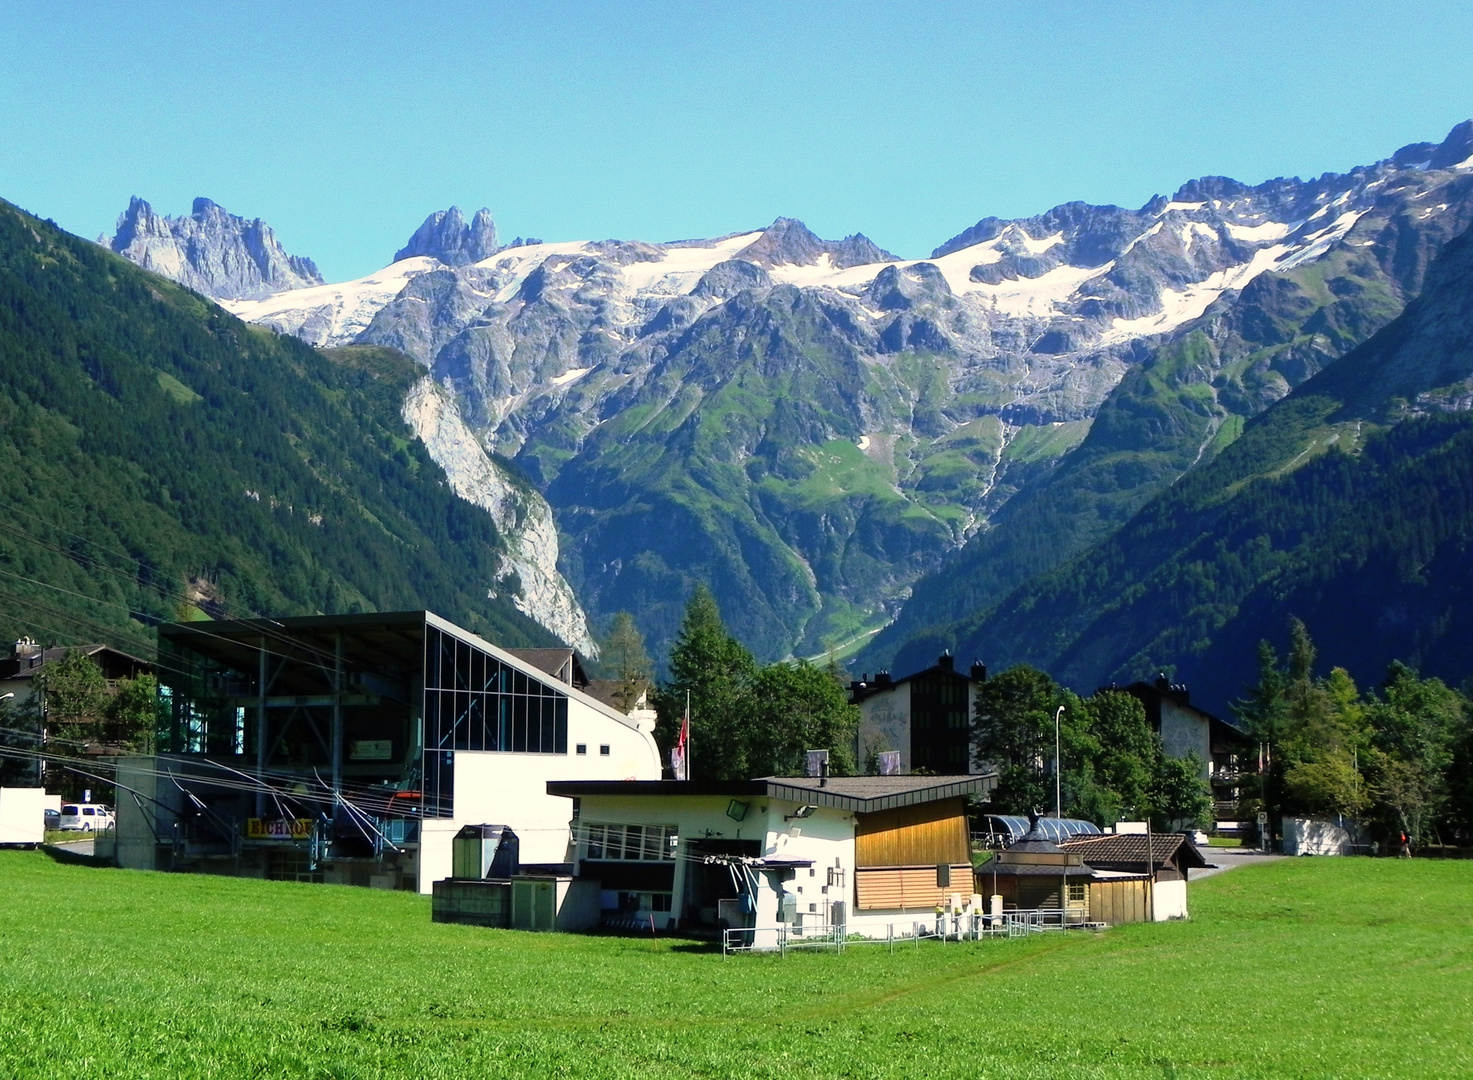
979 671
882 678
24 648
823 773
946 662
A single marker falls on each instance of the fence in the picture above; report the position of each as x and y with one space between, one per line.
969 927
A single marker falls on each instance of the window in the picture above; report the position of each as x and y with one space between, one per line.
582 748
603 751
1076 892
630 843
632 903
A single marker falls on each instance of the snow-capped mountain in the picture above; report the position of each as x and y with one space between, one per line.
811 425
211 251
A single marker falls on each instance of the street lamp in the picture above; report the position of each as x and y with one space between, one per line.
1058 787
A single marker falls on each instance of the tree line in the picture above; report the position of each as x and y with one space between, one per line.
1398 758
1112 766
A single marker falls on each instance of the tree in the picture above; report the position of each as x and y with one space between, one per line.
1013 731
1179 796
717 671
1415 724
795 708
1129 750
76 697
626 660
132 714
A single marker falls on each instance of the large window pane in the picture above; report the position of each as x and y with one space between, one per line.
447 662
432 657
548 736
462 665
460 703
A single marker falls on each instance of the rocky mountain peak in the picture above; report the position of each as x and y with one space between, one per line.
787 241
1455 150
446 236
211 251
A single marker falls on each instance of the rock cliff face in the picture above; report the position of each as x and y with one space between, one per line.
210 251
812 426
445 236
520 513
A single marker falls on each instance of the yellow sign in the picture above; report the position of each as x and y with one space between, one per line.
278 828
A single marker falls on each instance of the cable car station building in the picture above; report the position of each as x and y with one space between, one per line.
351 749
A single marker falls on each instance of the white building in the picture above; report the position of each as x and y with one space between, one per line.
806 852
925 717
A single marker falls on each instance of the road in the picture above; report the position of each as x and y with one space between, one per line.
1230 859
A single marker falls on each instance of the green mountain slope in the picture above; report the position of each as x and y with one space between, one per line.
160 458
743 462
1348 504
1185 402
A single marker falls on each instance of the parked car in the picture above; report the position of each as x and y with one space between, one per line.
86 817
53 819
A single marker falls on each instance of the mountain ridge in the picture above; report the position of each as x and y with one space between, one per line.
1348 504
211 251
935 390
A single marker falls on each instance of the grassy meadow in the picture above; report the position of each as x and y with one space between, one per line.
1298 968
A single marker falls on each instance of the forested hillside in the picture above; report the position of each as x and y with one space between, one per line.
160 459
1186 401
1349 505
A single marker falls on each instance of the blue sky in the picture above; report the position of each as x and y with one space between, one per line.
343 125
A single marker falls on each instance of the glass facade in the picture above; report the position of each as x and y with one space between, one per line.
472 701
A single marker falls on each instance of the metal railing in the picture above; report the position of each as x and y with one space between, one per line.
967 926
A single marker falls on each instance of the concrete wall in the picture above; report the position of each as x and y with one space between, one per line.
138 816
494 788
22 815
1313 836
885 718
1169 899
1184 730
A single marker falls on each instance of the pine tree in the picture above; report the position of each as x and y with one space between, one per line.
626 660
717 671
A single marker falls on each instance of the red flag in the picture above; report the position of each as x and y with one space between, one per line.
679 753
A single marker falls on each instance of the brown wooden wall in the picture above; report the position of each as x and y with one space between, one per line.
934 832
1115 902
910 888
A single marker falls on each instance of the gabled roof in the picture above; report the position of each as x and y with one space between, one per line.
1129 849
883 683
563 664
26 667
858 794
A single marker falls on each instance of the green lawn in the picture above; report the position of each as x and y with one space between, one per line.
1298 968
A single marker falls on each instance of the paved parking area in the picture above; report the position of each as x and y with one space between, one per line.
1230 859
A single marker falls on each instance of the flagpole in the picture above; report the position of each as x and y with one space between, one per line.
689 737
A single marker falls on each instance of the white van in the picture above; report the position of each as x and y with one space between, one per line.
86 817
